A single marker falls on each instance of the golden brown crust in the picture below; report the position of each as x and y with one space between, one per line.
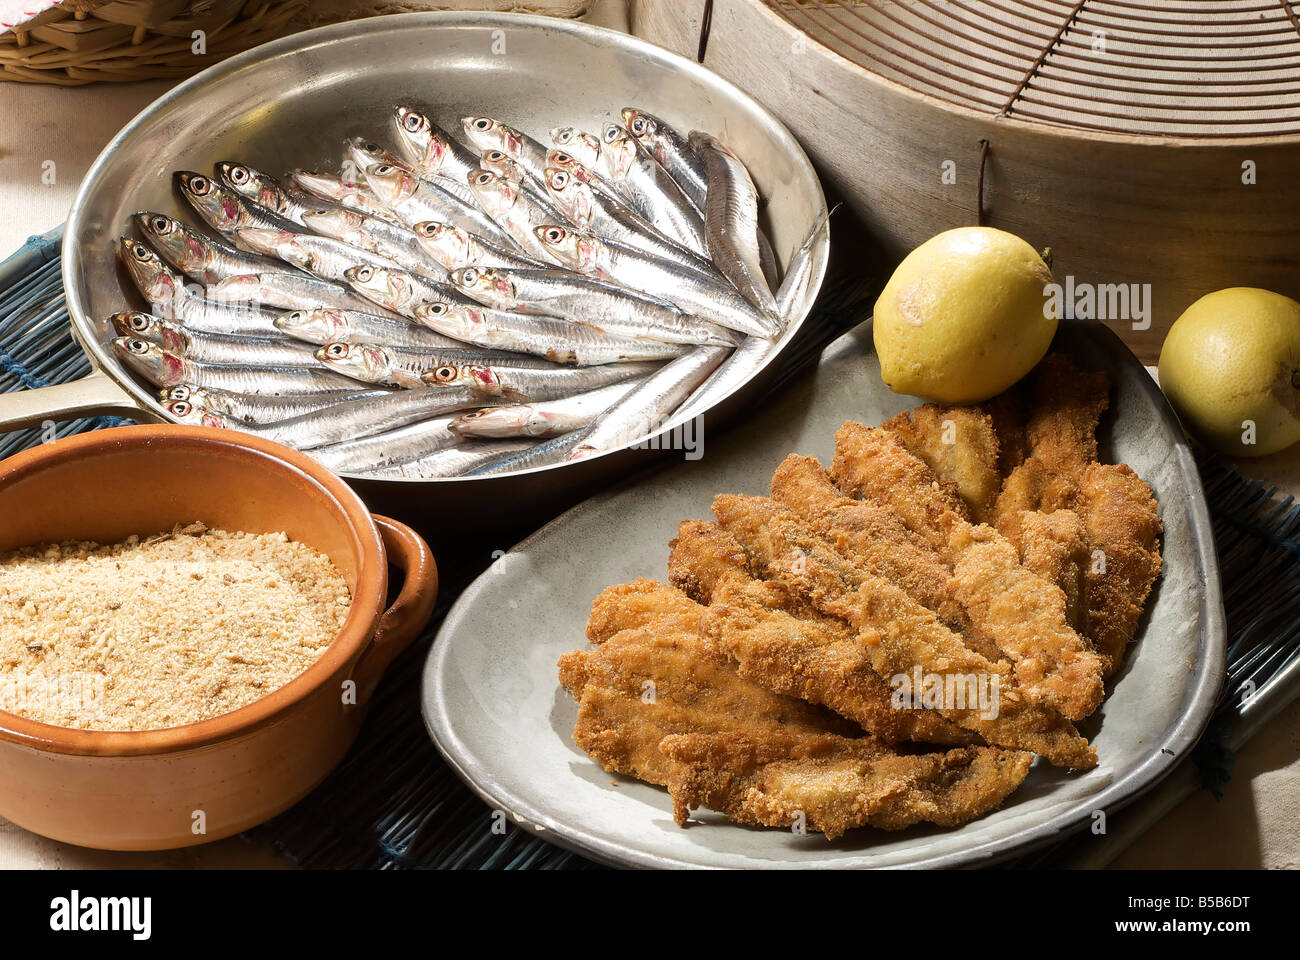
960 446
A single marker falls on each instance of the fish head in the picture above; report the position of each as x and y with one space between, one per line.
488 134
575 250
456 320
447 244
451 375
366 153
585 146
618 150
391 183
182 391
414 128
502 165
313 326
571 194
221 208
155 282
194 414
151 361
363 361
250 183
141 326
485 285
321 184
169 237
367 278
640 125
495 193
333 222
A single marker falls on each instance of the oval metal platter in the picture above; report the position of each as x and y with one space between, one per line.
495 708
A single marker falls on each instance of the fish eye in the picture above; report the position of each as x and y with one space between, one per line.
483 123
637 125
200 184
611 133
559 179
562 158
140 252
484 178
179 407
161 224
444 374
383 169
496 156
137 346
413 122
364 274
554 234
239 174
297 315
138 321
469 276
178 393
437 309
337 350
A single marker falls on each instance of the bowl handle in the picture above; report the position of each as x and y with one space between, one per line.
90 396
402 622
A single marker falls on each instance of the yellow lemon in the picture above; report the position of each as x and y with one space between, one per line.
964 316
1230 366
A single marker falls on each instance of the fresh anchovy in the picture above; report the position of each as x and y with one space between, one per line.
267 192
561 341
164 369
583 147
372 363
731 215
494 161
414 200
488 134
350 419
397 291
650 191
360 154
287 291
452 462
226 211
384 449
515 382
253 409
169 297
546 418
199 256
545 454
610 309
350 194
595 211
618 263
454 248
799 272
374 235
514 210
349 326
672 152
429 149
649 406
211 347
734 371
325 257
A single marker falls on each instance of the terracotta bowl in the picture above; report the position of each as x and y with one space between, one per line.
192 784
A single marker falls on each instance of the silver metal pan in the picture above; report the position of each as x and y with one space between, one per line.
290 103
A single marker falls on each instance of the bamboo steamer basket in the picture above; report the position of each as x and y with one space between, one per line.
90 41
1145 141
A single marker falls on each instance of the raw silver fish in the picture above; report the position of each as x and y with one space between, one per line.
650 406
347 193
253 409
349 326
593 210
800 271
454 248
227 212
384 449
731 216
494 161
324 257
453 461
650 191
350 419
372 363
200 257
396 243
267 192
542 455
595 303
211 347
545 418
619 263
414 200
429 149
164 369
286 291
514 210
398 291
360 154
734 371
583 147
524 384
671 150
561 341
171 298
488 134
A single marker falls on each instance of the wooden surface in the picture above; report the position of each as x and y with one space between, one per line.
1114 209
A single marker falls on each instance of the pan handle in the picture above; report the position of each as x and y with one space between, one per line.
90 396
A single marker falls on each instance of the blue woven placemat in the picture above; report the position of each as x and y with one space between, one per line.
393 802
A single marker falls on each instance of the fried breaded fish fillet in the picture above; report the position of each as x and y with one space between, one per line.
781 642
1055 547
1054 665
960 446
833 785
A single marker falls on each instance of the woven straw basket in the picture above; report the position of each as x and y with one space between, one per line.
87 41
